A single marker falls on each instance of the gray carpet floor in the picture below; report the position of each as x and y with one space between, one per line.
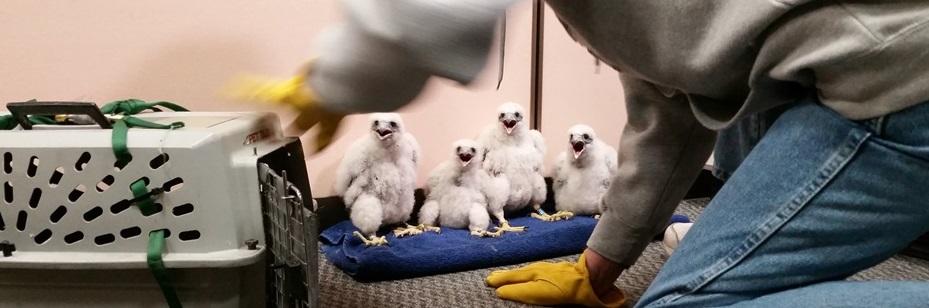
467 289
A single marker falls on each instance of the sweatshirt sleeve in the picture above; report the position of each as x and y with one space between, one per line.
662 150
380 58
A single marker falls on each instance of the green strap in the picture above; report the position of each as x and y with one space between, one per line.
136 122
135 106
121 131
8 122
118 139
170 105
156 247
38 119
146 205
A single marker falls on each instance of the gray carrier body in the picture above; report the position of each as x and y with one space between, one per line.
237 208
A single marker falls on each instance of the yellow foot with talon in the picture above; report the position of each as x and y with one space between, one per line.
543 217
561 215
408 231
374 241
484 233
505 227
429 228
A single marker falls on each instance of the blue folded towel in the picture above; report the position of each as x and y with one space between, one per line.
454 249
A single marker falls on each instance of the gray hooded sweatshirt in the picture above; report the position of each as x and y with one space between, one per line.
688 68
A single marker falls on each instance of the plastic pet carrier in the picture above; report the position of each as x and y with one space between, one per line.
99 211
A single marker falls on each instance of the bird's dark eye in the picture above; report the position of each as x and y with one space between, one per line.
502 115
586 136
518 115
393 124
473 150
376 122
457 149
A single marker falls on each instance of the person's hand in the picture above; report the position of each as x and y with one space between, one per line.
295 93
547 283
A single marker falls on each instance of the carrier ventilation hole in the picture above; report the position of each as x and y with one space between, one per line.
56 177
104 239
120 206
8 192
43 236
167 232
143 179
189 235
82 162
93 213
21 220
174 184
156 208
77 193
2 224
183 209
8 162
33 166
34 199
105 183
159 161
130 232
121 164
58 214
74 237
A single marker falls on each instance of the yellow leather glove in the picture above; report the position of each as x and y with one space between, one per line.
548 284
295 93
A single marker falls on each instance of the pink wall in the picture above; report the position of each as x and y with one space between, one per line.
575 93
186 51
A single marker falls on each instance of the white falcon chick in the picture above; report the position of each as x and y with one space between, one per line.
377 178
583 173
514 153
459 192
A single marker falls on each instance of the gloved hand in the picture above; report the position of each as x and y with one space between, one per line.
293 92
547 283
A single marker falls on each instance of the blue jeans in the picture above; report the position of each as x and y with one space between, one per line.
819 199
735 143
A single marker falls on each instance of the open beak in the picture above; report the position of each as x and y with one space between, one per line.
509 125
579 148
465 159
384 133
